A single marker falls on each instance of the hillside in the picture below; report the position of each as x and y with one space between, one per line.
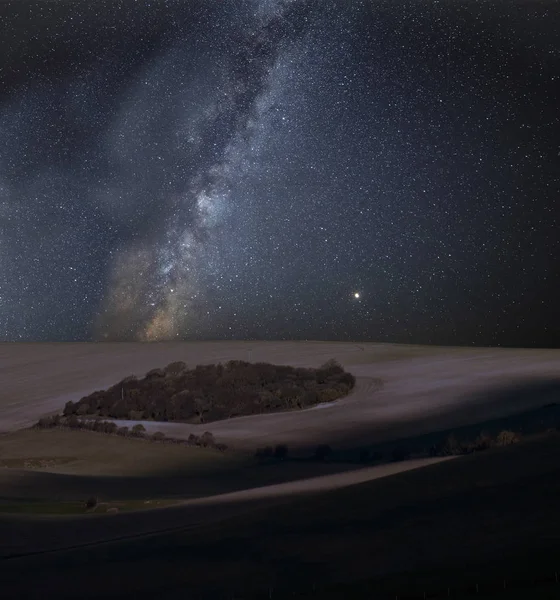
463 512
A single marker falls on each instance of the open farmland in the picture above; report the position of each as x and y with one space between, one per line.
400 390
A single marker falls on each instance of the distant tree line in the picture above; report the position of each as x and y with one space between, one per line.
213 392
205 440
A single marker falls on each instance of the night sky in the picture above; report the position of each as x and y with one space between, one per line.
269 169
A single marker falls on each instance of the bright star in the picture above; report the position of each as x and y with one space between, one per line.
357 295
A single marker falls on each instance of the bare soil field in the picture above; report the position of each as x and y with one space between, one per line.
424 388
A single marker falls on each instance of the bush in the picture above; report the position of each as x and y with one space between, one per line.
124 431
45 423
110 427
506 438
281 451
207 439
92 502
158 436
193 440
138 430
322 452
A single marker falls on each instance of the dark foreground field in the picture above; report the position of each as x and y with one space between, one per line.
479 519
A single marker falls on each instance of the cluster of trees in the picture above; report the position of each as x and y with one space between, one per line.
452 446
206 440
213 392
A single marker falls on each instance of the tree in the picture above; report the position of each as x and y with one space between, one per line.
506 438
83 409
69 408
175 368
451 446
201 407
155 373
158 436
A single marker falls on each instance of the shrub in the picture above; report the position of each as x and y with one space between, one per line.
281 451
124 431
138 430
91 502
506 438
45 423
207 439
158 436
221 447
193 440
323 451
110 427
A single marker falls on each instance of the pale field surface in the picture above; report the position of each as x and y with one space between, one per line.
424 387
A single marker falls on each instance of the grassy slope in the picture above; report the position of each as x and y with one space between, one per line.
68 466
498 507
90 453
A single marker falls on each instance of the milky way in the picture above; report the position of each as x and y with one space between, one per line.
242 169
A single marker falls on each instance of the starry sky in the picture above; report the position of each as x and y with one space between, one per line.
280 169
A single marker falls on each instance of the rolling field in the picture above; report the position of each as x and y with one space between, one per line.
476 518
226 517
424 388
